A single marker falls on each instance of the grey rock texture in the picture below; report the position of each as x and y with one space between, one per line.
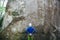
41 13
27 9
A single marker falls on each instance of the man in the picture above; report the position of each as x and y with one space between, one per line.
30 29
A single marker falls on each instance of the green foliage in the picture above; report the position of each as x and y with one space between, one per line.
30 37
2 9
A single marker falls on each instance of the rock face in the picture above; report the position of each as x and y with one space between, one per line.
22 12
25 8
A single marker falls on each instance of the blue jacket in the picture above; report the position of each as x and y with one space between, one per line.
30 30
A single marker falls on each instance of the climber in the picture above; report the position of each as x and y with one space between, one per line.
30 29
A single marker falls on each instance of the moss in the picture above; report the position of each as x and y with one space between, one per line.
11 0
15 13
